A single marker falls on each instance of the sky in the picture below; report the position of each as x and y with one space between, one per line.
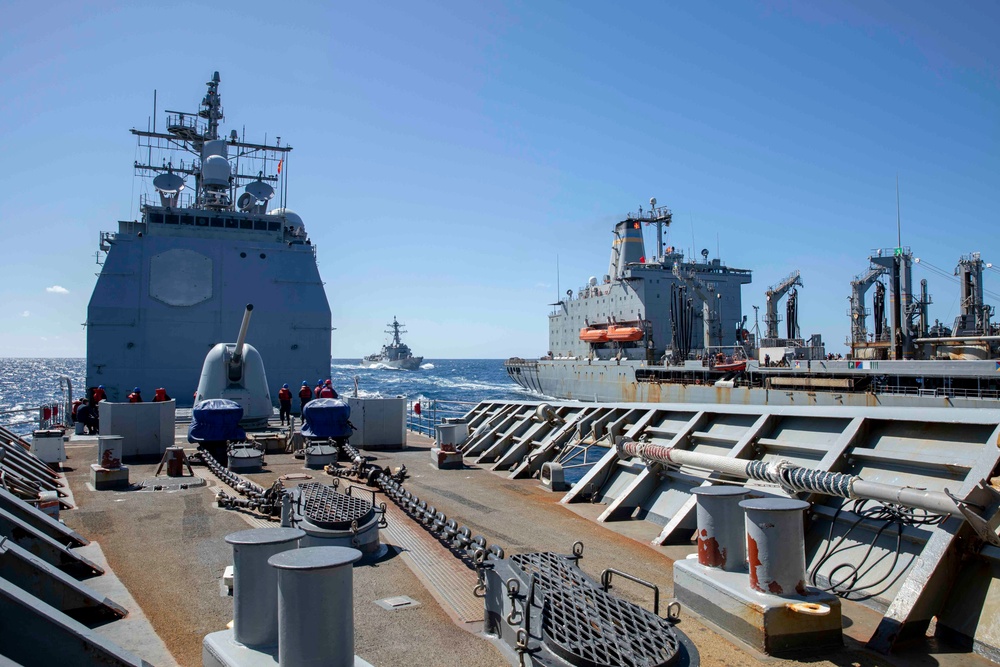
449 156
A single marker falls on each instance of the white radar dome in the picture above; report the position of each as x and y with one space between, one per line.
593 281
292 219
215 170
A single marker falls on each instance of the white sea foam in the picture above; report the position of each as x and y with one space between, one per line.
427 367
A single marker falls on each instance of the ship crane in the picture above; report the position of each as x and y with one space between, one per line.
707 295
774 295
859 314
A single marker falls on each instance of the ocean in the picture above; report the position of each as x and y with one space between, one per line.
28 383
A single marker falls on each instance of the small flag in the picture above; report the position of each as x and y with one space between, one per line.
998 365
279 165
642 260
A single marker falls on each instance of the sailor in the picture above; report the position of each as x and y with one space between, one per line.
135 396
160 396
327 390
305 395
87 414
318 389
99 394
285 403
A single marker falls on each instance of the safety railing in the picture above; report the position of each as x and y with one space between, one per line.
423 415
939 391
24 420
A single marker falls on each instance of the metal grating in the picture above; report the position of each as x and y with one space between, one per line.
326 507
552 572
591 628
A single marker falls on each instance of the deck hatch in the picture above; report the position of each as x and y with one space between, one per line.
326 507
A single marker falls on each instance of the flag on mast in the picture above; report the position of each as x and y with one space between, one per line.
279 164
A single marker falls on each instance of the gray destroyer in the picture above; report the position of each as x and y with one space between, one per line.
395 354
175 281
668 329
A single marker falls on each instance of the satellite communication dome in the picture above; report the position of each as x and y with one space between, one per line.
291 218
215 170
593 281
214 147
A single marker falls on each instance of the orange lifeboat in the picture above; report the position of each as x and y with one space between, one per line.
624 334
592 335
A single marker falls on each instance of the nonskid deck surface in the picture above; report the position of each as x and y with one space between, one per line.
168 549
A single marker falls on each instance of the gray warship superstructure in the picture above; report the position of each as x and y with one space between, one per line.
666 329
175 282
395 354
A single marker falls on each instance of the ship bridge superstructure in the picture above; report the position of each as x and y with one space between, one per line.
213 233
628 312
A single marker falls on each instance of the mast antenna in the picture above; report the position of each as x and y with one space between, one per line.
899 236
558 287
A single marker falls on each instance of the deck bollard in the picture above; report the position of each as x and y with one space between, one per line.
316 606
255 583
776 545
721 527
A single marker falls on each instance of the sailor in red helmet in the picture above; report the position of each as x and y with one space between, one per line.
327 390
285 403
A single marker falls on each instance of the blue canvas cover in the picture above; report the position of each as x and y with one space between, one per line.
326 418
215 420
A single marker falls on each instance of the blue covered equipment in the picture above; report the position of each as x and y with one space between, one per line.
326 418
216 420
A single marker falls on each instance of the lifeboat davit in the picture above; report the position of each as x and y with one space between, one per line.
592 335
624 334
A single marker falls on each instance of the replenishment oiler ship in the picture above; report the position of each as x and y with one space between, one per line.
669 329
176 281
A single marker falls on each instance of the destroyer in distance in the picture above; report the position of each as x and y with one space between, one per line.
667 329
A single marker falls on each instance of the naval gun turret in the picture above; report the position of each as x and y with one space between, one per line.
235 371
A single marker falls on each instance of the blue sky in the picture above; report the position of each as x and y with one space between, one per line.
447 153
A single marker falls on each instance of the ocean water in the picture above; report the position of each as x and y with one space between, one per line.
28 383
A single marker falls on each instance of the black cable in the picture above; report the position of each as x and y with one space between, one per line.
853 573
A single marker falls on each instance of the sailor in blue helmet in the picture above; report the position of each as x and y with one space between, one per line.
305 394
285 404
135 396
318 389
99 395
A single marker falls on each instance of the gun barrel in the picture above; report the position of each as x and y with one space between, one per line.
238 354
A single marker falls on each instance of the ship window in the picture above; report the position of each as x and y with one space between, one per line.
243 255
217 222
274 226
156 217
200 221
263 256
246 224
260 225
170 219
231 223
187 220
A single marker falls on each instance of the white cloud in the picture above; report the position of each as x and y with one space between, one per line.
57 289
26 314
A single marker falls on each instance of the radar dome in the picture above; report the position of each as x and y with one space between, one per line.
215 170
593 281
291 218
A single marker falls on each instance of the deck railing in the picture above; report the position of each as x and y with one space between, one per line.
433 412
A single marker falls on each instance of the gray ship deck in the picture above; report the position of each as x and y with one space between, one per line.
167 548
